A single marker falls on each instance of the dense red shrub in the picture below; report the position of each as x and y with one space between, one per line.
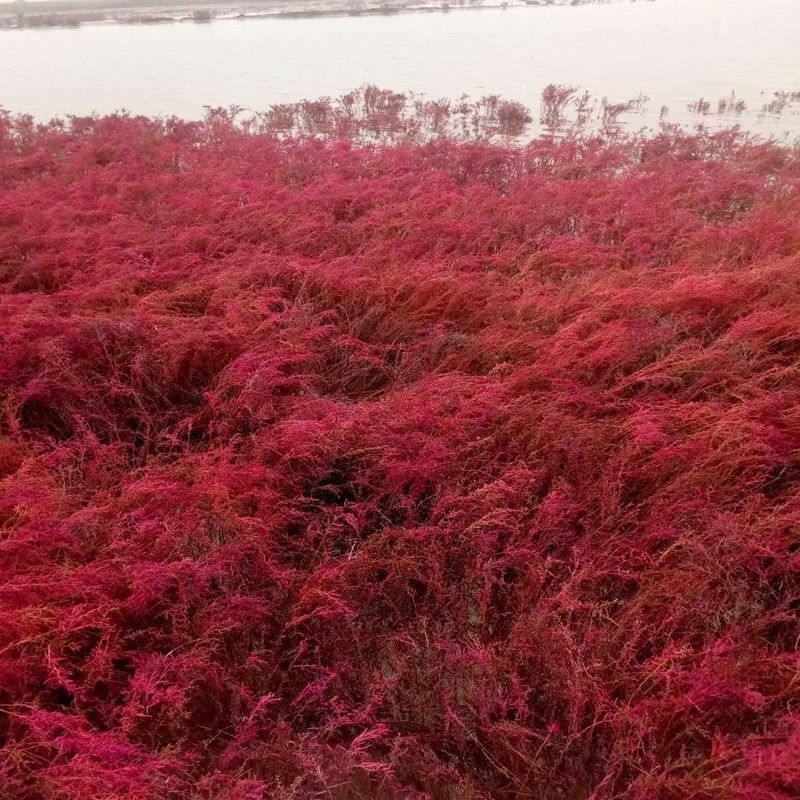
416 471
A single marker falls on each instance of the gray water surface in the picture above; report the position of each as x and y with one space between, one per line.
674 51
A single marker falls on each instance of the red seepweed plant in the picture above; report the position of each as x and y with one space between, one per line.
428 470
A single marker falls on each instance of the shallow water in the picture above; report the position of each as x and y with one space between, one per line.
675 51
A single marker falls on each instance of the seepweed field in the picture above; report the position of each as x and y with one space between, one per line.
461 470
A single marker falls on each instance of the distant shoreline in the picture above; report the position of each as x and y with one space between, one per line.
74 13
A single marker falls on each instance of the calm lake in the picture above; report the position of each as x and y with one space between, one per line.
674 51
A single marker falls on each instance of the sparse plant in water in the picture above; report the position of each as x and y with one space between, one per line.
555 99
780 102
731 105
700 106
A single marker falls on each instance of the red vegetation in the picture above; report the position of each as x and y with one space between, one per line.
441 470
